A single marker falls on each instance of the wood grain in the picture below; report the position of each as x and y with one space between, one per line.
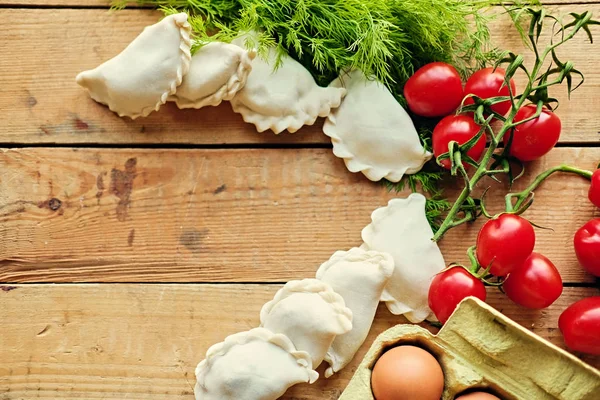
254 215
106 3
245 215
144 341
48 107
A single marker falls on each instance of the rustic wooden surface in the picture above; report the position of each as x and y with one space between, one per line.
144 341
104 3
217 215
174 240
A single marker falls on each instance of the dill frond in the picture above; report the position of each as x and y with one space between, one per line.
426 181
435 211
388 39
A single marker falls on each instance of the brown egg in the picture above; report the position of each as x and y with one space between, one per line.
478 396
407 373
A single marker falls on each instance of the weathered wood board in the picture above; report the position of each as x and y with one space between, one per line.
144 341
47 106
242 215
226 221
106 3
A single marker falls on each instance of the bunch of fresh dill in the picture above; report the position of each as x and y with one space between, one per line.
386 39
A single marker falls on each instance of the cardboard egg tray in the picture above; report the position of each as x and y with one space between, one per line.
479 348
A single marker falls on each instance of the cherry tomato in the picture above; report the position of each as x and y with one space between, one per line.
587 246
594 193
535 138
458 128
505 242
435 90
535 284
580 325
449 288
487 83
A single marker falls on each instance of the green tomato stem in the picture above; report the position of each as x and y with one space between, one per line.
526 193
473 259
449 221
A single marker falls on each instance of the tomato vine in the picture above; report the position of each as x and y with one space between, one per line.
539 78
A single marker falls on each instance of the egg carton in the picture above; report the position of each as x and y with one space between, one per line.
480 348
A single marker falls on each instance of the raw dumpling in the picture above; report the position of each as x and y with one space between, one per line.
359 276
372 132
140 79
217 72
310 313
287 98
252 365
402 230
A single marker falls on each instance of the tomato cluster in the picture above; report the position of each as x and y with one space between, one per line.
504 248
436 90
505 243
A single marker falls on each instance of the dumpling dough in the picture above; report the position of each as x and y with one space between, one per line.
287 98
372 132
402 230
310 313
217 72
140 79
359 276
252 365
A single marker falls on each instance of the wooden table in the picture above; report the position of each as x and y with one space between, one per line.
127 248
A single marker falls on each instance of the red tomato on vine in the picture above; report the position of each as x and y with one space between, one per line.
580 325
594 192
435 90
587 246
505 243
534 138
458 128
535 284
449 288
487 83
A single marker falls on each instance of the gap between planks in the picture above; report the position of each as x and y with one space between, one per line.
7 286
208 146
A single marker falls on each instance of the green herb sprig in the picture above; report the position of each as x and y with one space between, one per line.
387 39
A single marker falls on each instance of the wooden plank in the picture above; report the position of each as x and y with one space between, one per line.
223 215
105 3
68 3
144 341
46 105
59 3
